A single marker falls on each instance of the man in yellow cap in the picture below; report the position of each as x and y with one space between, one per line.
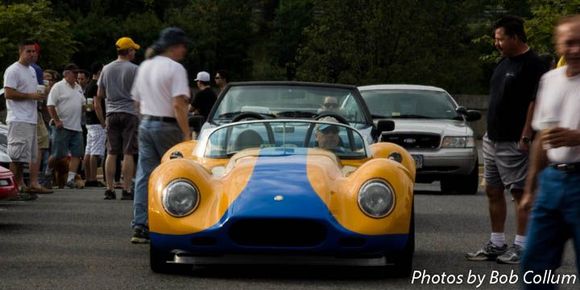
121 117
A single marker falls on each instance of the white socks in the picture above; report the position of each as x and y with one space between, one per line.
520 241
498 239
71 176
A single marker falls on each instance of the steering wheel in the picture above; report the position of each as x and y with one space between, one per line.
337 116
248 115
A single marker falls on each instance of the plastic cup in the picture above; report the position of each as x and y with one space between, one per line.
40 89
547 124
89 104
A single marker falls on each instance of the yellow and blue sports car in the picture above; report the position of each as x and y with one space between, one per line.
282 191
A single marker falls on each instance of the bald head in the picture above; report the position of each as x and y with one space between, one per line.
567 40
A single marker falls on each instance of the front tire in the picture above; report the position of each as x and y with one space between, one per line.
158 262
462 184
403 263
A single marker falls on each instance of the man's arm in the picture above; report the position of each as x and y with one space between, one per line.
180 107
527 131
538 161
12 94
97 104
54 116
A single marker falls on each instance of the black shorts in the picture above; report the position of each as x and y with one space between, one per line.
122 131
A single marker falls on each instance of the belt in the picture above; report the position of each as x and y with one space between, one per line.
567 167
158 118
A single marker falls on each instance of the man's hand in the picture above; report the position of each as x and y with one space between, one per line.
58 124
526 202
36 96
523 146
561 137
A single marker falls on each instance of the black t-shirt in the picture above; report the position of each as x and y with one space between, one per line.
91 92
513 87
204 101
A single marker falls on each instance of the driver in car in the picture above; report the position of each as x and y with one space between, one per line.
327 135
330 104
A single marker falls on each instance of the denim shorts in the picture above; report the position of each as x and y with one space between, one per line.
65 141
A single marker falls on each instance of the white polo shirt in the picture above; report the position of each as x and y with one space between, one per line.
22 79
68 102
558 98
158 81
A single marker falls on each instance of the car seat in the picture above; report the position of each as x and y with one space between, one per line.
248 139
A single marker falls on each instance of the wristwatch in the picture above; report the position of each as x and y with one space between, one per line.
526 140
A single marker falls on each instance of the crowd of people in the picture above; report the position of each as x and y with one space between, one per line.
119 116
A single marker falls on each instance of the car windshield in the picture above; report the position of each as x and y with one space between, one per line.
414 104
288 101
288 137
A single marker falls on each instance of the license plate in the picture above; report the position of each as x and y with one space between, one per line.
418 161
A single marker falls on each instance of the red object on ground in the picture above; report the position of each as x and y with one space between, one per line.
7 185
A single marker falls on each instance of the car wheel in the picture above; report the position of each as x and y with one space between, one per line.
462 184
158 262
403 263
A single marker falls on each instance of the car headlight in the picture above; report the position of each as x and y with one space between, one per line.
180 198
458 142
376 198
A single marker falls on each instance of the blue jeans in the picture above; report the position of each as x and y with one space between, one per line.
155 138
555 218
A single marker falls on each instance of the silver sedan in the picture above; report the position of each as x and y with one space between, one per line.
433 128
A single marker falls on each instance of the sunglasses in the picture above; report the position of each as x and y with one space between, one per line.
330 105
217 78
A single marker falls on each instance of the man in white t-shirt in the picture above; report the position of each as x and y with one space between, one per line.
20 87
553 184
65 105
162 93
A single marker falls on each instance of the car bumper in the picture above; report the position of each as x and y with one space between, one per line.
448 161
221 244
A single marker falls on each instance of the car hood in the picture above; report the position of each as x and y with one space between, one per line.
284 177
439 126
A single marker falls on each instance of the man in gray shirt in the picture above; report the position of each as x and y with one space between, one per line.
122 119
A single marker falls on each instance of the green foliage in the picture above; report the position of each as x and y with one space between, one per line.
445 43
35 21
364 42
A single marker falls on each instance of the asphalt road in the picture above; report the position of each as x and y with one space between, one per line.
74 239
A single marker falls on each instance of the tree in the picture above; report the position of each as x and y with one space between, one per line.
363 42
35 21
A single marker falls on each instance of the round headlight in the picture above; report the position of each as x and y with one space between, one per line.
180 198
376 198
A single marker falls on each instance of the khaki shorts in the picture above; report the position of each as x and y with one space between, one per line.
22 143
42 134
504 164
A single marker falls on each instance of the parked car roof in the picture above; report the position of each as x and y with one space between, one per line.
400 87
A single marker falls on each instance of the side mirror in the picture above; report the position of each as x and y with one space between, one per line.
461 110
472 115
385 126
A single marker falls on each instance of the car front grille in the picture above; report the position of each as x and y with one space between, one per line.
413 140
277 233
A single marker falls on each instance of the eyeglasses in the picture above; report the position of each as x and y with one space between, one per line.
330 105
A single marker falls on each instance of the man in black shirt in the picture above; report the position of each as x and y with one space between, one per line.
205 97
96 135
513 89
